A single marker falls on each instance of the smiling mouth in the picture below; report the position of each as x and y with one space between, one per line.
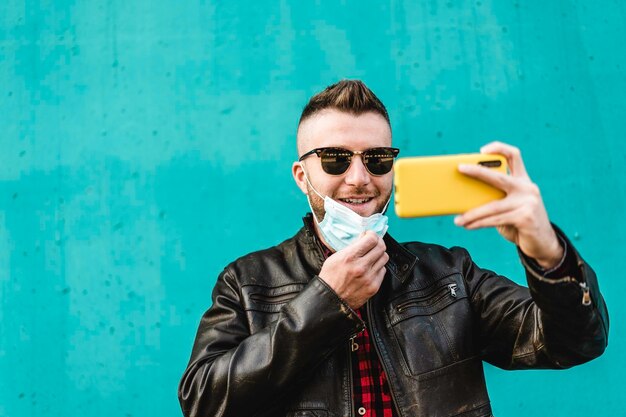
356 200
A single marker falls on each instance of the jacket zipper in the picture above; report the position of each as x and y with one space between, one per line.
450 288
586 299
351 348
350 377
586 294
373 333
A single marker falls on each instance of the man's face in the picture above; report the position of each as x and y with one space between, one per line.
356 188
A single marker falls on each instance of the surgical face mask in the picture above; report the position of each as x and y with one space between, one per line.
342 226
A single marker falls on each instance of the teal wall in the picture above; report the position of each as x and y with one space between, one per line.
145 144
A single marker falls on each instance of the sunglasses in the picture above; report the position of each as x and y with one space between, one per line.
336 161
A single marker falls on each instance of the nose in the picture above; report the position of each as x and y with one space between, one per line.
357 174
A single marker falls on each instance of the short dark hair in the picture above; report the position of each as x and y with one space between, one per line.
350 96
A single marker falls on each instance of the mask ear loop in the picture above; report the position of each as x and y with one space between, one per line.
306 177
386 205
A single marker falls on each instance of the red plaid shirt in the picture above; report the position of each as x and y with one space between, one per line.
371 394
370 390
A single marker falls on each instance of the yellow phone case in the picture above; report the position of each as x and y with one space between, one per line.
433 185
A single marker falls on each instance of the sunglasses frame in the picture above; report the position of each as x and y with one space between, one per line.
318 151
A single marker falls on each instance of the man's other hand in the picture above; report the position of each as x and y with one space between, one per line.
356 272
521 216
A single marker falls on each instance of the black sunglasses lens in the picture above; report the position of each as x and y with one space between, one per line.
335 161
378 161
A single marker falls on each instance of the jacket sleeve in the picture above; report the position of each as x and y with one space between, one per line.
234 373
557 322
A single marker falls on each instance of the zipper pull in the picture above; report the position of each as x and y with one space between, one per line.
452 288
354 346
586 295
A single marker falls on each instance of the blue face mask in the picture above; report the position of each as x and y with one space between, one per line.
342 226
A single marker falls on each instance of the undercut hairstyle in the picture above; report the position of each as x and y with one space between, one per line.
350 96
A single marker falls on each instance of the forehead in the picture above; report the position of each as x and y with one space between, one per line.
337 128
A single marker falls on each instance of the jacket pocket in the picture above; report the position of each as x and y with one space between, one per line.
457 390
269 299
432 327
263 304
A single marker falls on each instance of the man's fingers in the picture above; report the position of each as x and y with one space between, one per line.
512 154
489 209
487 175
501 219
380 262
368 241
372 257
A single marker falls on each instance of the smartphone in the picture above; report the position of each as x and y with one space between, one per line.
433 185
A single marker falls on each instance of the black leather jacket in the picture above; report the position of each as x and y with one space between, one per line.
276 340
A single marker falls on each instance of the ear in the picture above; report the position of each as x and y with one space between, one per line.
298 176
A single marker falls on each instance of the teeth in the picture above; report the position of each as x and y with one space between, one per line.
356 201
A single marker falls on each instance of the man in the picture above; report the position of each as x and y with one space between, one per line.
341 320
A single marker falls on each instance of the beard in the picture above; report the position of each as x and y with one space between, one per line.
317 203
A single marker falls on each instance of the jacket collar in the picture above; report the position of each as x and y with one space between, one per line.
401 261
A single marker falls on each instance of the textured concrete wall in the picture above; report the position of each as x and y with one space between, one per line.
143 145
